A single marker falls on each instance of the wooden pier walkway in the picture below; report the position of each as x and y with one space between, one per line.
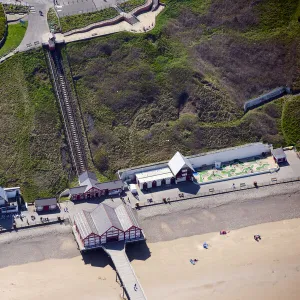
125 271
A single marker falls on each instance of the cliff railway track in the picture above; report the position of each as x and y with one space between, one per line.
69 110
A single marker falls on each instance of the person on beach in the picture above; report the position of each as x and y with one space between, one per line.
257 237
205 245
135 287
222 232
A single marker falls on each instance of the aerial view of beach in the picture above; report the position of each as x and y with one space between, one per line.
150 149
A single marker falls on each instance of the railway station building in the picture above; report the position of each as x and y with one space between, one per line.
90 187
107 223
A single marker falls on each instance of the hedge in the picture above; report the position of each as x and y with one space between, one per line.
2 22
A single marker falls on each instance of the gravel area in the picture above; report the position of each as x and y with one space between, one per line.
228 211
36 244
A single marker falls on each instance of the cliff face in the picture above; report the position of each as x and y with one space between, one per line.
182 86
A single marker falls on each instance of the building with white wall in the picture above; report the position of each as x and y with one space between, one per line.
159 172
178 169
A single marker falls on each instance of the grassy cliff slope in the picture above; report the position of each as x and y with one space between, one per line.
32 152
182 86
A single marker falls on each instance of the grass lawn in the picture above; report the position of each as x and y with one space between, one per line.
78 21
128 6
14 37
182 86
33 153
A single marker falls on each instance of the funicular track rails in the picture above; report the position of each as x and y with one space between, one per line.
69 110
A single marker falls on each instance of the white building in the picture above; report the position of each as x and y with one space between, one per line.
177 170
192 162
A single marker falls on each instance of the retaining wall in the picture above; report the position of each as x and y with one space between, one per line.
230 154
139 10
223 155
265 98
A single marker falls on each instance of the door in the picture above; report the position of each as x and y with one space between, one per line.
113 238
163 182
154 184
46 207
172 180
145 186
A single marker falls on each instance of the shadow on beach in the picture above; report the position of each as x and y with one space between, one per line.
137 251
97 258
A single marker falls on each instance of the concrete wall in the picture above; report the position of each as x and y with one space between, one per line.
130 173
274 94
199 160
226 155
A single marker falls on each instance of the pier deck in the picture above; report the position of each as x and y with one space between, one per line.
125 271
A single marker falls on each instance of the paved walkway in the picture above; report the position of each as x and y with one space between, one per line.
146 23
123 267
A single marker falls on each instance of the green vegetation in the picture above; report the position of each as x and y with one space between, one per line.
182 86
33 155
15 9
291 121
2 22
53 20
131 4
78 21
14 37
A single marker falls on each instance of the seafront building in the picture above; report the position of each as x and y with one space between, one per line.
90 187
108 222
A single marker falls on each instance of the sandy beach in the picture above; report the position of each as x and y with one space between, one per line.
234 267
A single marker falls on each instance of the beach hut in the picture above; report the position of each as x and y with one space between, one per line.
46 204
106 223
155 178
181 168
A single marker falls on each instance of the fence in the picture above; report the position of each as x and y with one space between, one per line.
212 191
36 223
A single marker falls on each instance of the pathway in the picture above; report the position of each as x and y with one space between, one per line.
37 27
146 23
125 271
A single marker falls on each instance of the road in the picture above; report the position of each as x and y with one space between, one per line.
37 25
212 214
